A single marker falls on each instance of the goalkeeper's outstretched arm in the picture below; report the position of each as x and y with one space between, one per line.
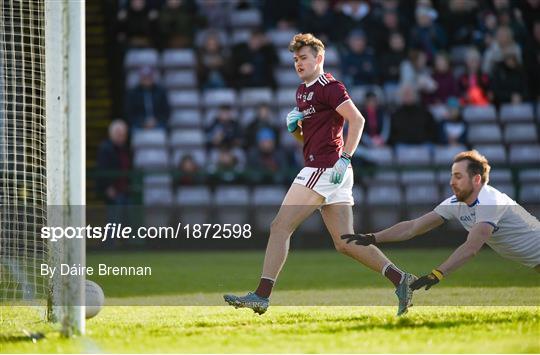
409 229
401 231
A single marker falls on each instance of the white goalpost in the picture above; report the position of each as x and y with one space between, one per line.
42 153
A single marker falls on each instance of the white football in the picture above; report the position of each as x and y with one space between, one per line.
95 299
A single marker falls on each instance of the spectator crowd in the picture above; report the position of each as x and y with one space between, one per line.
412 66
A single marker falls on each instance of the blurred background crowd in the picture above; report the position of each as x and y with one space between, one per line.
192 107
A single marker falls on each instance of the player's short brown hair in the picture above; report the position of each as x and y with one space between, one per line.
478 164
306 39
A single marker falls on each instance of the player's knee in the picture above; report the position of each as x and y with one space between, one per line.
279 228
343 247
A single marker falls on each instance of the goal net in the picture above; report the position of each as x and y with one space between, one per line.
41 155
23 193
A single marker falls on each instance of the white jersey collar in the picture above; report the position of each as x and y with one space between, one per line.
314 80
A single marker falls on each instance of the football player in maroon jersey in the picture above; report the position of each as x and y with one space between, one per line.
326 181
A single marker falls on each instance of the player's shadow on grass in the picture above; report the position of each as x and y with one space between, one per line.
407 323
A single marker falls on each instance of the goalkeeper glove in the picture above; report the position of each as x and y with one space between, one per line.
292 119
360 239
429 280
340 168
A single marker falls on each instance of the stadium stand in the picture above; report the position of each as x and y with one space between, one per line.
508 134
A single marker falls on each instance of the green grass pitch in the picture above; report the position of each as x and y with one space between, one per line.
324 302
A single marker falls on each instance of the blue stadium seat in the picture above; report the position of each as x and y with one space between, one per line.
193 196
422 177
185 118
443 176
495 153
140 57
287 78
382 178
248 18
473 114
268 195
217 97
484 133
157 196
240 36
285 58
413 155
529 175
500 176
384 195
286 98
156 138
446 192
252 97
151 158
444 155
358 195
182 99
331 57
507 188
383 156
180 79
231 196
520 133
524 154
523 112
420 194
183 138
178 58
530 193
157 180
281 38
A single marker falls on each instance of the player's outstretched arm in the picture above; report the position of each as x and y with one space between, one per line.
399 232
478 235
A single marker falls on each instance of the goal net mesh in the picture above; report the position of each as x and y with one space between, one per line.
23 190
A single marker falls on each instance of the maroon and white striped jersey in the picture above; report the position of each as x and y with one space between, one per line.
322 126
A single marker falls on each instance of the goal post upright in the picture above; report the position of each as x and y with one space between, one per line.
65 131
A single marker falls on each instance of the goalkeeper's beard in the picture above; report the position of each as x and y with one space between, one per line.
463 194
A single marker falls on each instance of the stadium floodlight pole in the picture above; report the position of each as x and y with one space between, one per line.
65 111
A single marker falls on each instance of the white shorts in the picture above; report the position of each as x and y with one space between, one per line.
318 179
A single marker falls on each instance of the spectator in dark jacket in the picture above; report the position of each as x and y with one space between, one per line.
225 131
177 23
427 35
411 123
510 80
212 62
358 64
263 120
391 61
252 63
147 105
114 158
266 161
